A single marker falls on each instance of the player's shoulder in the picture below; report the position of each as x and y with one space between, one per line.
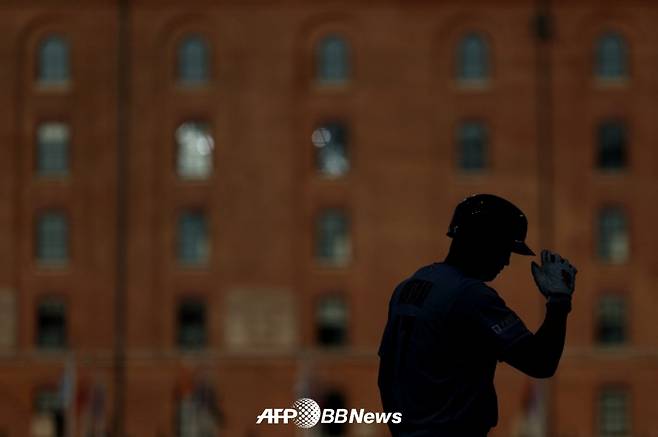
450 280
438 273
475 287
475 293
444 274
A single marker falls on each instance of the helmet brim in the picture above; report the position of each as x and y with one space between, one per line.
522 249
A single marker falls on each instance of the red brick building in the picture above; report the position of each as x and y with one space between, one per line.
206 205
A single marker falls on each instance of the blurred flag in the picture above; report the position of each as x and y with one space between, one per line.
304 382
92 410
199 414
209 414
304 387
66 392
531 422
67 384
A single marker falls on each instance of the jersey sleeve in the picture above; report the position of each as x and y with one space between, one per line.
490 320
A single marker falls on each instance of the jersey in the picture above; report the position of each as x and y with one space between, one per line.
444 336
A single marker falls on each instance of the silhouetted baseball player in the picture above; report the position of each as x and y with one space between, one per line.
447 329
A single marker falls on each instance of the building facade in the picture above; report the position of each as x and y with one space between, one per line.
205 206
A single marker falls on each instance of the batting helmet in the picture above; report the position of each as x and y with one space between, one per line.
490 215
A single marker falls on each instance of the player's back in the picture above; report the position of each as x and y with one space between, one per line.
429 370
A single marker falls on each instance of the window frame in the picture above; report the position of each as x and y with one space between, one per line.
596 48
613 121
626 216
190 34
327 263
323 123
598 417
66 335
40 122
626 320
486 158
49 264
458 59
195 120
179 261
317 302
319 59
43 37
204 304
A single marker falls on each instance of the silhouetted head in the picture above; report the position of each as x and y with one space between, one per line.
486 230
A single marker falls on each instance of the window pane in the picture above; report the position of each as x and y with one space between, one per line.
53 149
333 244
193 61
47 401
611 57
613 236
50 418
334 400
611 328
51 324
52 238
192 324
613 413
195 149
53 65
331 320
612 145
472 145
331 154
333 60
192 238
472 58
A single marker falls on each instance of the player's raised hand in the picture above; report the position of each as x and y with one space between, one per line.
556 276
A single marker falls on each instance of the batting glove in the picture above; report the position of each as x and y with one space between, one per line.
556 277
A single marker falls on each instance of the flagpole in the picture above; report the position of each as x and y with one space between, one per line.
302 384
67 392
70 416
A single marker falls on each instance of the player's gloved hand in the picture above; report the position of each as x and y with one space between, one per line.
556 278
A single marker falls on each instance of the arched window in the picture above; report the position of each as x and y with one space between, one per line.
332 60
472 146
472 58
613 235
193 60
611 56
612 145
53 61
